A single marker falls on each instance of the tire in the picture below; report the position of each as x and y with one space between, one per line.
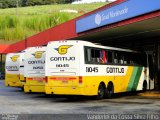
110 90
101 92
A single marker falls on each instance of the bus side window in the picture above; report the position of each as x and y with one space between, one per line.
88 55
103 56
95 56
125 58
98 56
120 58
128 58
93 59
115 57
109 57
131 56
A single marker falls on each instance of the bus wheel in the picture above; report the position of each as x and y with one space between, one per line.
144 85
101 91
110 90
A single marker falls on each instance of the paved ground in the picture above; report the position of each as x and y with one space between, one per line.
13 101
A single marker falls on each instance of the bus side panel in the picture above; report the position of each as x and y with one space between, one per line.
34 85
92 83
135 79
129 82
126 83
142 76
22 78
89 85
121 82
21 69
12 80
12 70
64 85
62 68
34 69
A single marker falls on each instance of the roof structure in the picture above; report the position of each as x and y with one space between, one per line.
112 31
4 48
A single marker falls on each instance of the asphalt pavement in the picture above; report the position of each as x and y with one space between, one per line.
17 105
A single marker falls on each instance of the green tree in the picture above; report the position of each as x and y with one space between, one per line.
4 3
45 2
31 2
13 3
23 3
40 2
9 3
64 1
69 1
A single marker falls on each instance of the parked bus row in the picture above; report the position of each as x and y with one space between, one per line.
79 68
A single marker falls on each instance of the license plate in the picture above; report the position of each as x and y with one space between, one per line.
39 79
65 82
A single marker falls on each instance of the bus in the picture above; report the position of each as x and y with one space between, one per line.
84 68
34 69
21 69
12 69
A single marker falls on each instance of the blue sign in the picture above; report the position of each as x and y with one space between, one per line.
123 11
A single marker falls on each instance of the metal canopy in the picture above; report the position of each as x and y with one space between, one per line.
145 32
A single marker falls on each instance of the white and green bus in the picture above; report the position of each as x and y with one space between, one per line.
84 68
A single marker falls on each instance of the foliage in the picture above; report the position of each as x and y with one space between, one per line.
13 3
9 3
31 20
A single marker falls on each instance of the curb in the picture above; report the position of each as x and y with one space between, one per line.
150 94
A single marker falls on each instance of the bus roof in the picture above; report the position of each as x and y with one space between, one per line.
90 44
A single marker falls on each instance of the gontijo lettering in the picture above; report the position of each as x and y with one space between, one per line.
12 68
114 70
62 59
37 62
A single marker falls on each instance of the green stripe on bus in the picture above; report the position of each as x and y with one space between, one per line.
137 78
134 80
131 81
